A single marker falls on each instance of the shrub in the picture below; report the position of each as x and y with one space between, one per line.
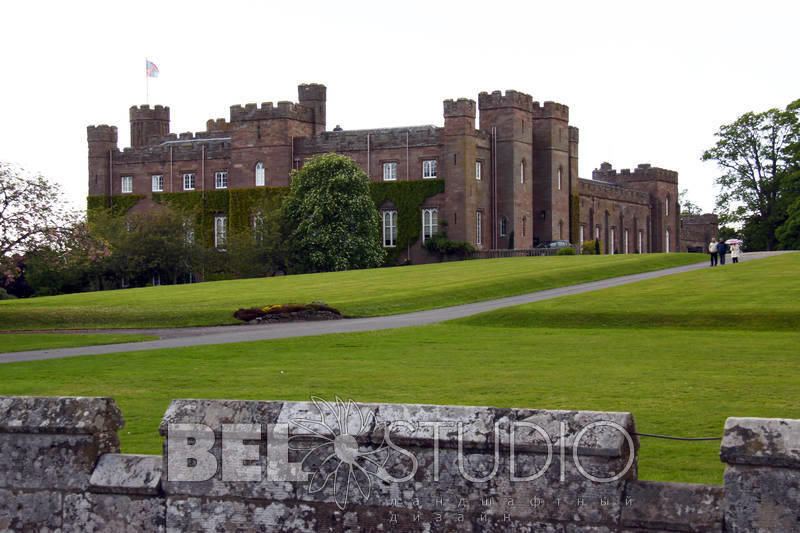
566 251
5 296
276 309
249 314
587 248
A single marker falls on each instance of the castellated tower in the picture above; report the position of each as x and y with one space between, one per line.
313 96
148 123
456 168
552 143
102 142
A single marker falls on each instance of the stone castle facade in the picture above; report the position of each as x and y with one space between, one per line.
510 180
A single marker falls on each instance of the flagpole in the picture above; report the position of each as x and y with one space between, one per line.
146 82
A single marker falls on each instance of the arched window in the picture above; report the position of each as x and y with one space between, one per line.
522 171
260 179
666 247
666 206
559 178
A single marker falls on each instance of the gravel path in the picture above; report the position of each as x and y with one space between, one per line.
199 336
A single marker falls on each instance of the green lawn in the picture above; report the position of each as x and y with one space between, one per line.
676 381
18 342
356 293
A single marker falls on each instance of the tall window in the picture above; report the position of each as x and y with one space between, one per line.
559 178
259 223
666 246
260 180
524 225
666 206
428 169
389 229
626 241
158 183
478 170
597 233
127 184
581 242
220 231
640 242
560 229
478 228
390 171
503 227
430 223
522 171
221 179
188 181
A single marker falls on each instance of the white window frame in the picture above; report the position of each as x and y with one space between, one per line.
581 233
158 182
126 184
522 171
261 178
478 170
611 244
431 225
220 232
626 242
503 226
666 206
559 178
478 228
429 169
389 224
640 242
221 179
597 233
390 171
666 245
189 179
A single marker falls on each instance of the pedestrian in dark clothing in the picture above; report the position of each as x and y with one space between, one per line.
722 249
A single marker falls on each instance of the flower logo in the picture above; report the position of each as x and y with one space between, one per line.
332 448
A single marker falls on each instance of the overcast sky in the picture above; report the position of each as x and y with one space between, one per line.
644 82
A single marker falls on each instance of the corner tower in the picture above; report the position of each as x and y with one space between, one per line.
147 123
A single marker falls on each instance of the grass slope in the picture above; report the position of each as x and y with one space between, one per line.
676 381
356 293
18 342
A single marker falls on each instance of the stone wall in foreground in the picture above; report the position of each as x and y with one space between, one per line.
245 466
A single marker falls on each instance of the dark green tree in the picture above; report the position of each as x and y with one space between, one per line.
330 218
757 154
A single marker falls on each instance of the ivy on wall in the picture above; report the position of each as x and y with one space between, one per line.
407 196
240 204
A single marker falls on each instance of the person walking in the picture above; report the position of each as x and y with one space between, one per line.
722 249
736 252
712 251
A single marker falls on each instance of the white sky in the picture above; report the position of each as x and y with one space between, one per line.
645 82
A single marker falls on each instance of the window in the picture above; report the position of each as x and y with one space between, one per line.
559 178
390 171
640 242
221 179
188 182
260 179
626 241
259 223
666 246
389 229
478 228
478 170
581 235
560 229
666 206
430 223
522 172
597 233
524 223
428 169
158 183
503 227
127 184
220 231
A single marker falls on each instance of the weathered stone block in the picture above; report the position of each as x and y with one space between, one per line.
87 512
127 474
761 441
44 461
763 499
30 511
672 506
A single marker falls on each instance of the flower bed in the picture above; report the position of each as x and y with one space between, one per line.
290 312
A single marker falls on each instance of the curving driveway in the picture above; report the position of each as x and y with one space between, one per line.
198 336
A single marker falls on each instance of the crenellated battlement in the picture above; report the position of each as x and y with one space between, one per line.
314 92
101 133
511 98
268 111
356 140
463 107
145 112
643 172
551 110
217 125
574 137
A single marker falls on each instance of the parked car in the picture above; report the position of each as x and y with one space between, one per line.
554 244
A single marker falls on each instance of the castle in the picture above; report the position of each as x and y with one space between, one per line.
512 182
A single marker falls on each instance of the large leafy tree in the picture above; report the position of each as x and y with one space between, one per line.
330 218
31 211
758 156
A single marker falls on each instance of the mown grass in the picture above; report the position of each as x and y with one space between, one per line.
18 342
356 293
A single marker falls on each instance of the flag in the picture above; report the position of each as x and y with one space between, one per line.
152 69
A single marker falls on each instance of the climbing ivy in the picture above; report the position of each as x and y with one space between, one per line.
120 204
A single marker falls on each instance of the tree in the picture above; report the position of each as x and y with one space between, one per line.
31 212
758 154
330 218
687 206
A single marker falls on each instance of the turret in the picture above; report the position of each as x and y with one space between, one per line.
459 116
313 95
102 141
147 123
